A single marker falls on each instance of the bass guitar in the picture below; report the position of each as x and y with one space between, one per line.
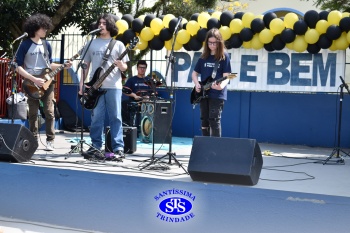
36 92
196 97
92 93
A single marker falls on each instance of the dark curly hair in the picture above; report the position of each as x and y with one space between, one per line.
110 24
35 22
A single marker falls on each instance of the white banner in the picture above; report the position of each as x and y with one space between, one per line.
260 70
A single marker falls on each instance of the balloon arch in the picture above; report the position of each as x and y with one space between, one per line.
316 31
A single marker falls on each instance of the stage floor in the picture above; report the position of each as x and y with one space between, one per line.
290 172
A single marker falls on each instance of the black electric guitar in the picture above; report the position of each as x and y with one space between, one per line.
92 93
196 97
36 92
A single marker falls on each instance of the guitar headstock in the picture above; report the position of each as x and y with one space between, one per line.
133 43
231 76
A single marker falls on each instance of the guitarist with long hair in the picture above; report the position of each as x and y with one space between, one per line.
109 94
212 105
33 58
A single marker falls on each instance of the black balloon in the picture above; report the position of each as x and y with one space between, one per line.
156 43
194 16
201 34
165 34
128 18
257 25
234 42
311 18
333 32
277 43
173 23
268 17
239 15
137 25
148 19
115 17
344 24
187 47
128 35
246 34
213 23
225 18
324 42
300 27
313 48
323 15
194 44
268 47
288 35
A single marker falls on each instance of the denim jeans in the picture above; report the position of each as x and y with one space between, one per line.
211 110
110 102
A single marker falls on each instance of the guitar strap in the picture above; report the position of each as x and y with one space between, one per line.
108 52
213 75
46 52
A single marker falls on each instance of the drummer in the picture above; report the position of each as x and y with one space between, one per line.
137 87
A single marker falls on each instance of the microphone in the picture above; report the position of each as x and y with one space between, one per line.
21 37
94 31
178 24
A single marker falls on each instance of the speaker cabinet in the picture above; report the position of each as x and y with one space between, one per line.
17 143
225 160
129 137
156 119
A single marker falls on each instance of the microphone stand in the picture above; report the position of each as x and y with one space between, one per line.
81 142
13 66
171 61
336 150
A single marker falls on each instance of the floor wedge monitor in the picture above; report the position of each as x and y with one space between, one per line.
17 143
225 160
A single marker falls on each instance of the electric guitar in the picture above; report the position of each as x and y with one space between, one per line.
196 97
92 93
36 92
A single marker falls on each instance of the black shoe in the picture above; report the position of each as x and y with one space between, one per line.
93 153
119 154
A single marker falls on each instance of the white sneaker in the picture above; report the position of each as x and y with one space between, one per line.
49 146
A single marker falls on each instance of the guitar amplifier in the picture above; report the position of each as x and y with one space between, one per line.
129 137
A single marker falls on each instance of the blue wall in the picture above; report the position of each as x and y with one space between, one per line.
282 118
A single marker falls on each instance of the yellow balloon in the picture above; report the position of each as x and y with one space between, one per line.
345 14
322 26
265 36
122 26
334 17
341 43
192 27
183 37
167 19
256 43
142 45
168 45
299 44
156 25
247 44
247 19
333 47
289 19
348 36
216 15
290 45
236 25
312 36
203 19
146 34
225 32
142 17
277 25
259 16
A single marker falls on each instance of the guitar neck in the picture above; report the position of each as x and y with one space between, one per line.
61 67
100 80
208 85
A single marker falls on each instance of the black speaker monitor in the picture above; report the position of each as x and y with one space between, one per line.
225 160
17 143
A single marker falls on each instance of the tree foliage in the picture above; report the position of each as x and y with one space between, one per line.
340 5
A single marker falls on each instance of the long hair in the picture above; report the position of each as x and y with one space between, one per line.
220 47
110 24
35 22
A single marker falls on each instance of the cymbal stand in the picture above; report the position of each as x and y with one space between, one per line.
336 151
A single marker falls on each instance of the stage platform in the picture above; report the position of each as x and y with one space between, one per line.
60 191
